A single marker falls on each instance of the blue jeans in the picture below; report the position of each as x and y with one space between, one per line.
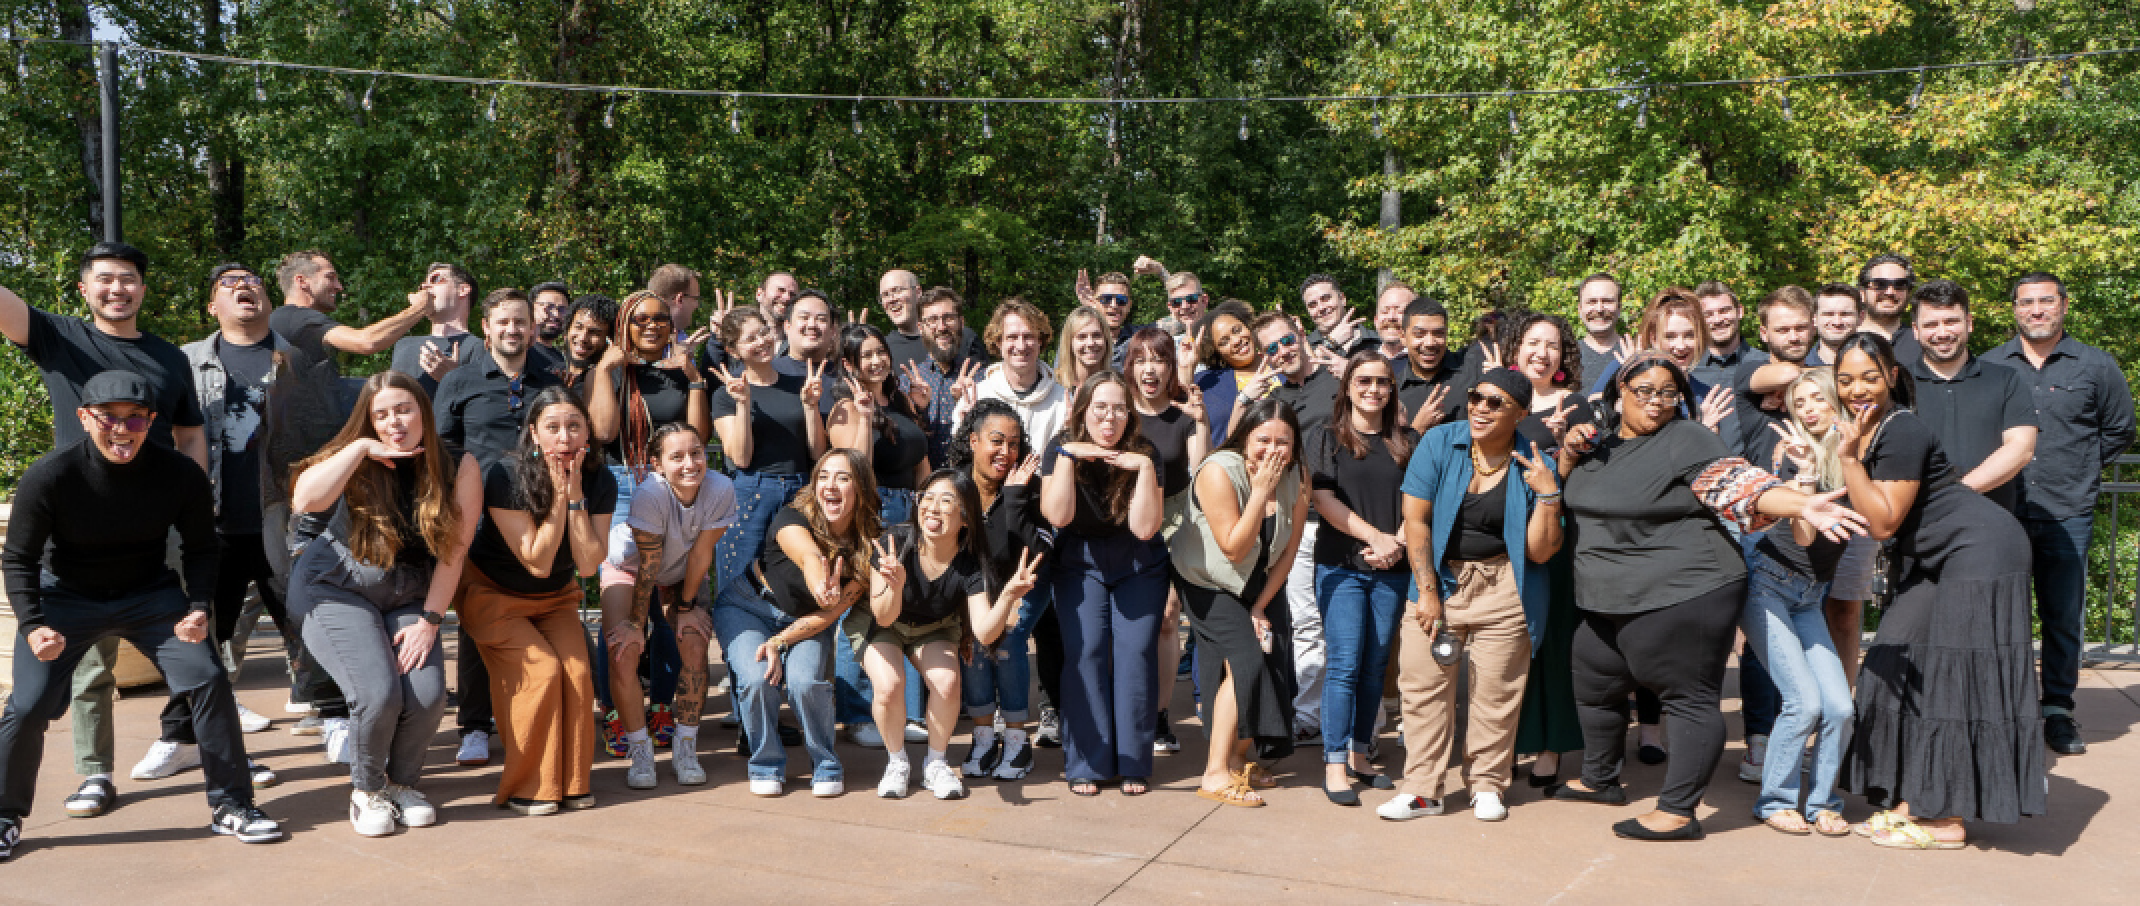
1759 699
1360 613
759 497
626 487
2059 549
1784 621
1001 675
1109 593
743 619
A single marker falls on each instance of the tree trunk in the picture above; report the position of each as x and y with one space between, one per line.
1392 208
226 165
81 67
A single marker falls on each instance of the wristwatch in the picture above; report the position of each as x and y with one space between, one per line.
780 645
433 617
576 505
698 385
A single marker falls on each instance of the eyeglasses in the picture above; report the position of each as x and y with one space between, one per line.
940 320
233 281
1114 300
132 423
1272 347
1109 410
651 320
1885 283
1477 400
1189 299
1657 394
512 395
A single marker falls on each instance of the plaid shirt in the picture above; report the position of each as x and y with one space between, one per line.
942 403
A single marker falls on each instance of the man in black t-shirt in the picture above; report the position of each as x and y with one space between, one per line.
1312 392
311 291
1430 372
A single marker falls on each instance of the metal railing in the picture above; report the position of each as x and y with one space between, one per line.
2114 562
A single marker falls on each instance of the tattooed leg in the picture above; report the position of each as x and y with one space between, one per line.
694 636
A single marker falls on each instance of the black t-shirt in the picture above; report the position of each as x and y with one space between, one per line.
924 600
1169 434
1643 541
408 355
491 553
1971 414
1904 449
246 368
1480 522
791 591
1369 486
70 351
1779 544
779 442
667 394
1413 390
1533 427
894 453
1091 519
307 330
1311 399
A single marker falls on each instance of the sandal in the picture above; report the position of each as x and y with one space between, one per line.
1909 835
1826 815
1880 821
1236 793
1779 822
1135 786
1084 788
1258 776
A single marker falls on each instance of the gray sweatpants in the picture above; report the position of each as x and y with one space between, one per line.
350 613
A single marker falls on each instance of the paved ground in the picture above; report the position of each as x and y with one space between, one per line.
1033 842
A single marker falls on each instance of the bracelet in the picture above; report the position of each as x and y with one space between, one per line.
697 385
1549 498
576 506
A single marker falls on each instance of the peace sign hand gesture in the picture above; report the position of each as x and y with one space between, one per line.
1348 328
1430 409
865 401
1022 581
889 567
724 301
735 383
1538 473
1578 441
1556 421
813 387
1795 445
963 389
1489 356
917 389
1193 405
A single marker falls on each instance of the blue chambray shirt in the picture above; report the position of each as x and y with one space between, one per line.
1439 472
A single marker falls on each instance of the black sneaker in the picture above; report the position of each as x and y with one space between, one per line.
10 834
247 823
2063 734
982 762
1165 742
1017 765
96 797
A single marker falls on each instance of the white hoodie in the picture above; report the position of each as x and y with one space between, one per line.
1042 408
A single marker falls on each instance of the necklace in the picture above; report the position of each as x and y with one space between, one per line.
1478 464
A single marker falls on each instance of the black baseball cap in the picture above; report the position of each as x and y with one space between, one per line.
118 387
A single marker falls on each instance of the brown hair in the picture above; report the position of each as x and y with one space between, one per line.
1116 484
732 324
1016 305
1790 296
1395 431
1111 277
862 529
376 523
1675 300
670 279
1158 344
298 264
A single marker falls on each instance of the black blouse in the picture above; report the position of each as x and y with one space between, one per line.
1369 486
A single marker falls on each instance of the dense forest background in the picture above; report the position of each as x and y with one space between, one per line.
1978 174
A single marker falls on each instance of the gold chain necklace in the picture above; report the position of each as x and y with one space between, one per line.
1478 464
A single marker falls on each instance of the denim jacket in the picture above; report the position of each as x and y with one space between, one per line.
1439 472
209 383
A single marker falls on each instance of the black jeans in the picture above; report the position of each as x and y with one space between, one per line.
244 563
310 681
148 619
474 680
1677 651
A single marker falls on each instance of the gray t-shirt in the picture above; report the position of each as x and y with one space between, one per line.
656 511
244 404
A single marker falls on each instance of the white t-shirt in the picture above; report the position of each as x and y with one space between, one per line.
656 511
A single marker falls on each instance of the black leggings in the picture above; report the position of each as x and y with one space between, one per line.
1677 651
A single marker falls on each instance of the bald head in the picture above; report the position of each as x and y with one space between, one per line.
896 292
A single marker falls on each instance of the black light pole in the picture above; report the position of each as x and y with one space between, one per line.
108 85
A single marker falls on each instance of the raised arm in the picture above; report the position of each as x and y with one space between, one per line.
602 394
14 317
1058 491
1232 526
380 336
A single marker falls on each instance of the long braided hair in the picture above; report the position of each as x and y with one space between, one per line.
637 425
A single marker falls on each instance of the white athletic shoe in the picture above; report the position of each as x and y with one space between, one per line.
1405 807
410 806
917 731
336 736
943 780
865 735
826 789
252 721
165 759
1488 807
475 750
894 784
683 758
770 787
640 776
371 814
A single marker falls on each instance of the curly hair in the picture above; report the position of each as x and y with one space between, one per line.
961 453
1571 355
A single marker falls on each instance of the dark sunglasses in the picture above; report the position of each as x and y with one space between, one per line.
512 395
1884 283
132 423
1477 400
650 320
1179 301
1272 347
1114 300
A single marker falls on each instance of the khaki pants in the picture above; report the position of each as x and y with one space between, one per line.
541 682
1487 614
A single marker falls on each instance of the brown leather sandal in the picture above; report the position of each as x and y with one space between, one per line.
1236 793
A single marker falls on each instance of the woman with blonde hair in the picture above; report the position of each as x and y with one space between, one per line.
1084 346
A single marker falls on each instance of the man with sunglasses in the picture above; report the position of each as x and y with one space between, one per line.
1885 283
1111 296
84 561
430 358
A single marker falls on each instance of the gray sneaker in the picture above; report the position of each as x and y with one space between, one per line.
1050 734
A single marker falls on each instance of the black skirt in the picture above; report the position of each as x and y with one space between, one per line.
1226 639
1947 712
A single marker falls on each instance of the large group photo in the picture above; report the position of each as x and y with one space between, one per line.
1370 477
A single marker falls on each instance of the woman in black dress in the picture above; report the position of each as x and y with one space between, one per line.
1947 728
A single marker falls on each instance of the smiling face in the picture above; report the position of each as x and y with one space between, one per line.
1325 304
1426 342
1943 330
896 291
1835 318
1089 344
238 300
873 362
1887 291
682 461
938 511
117 430
587 338
1108 415
1492 413
1187 302
2040 310
1648 400
835 489
1020 343
1114 303
754 343
650 327
1538 353
1720 315
1235 343
1282 349
550 308
113 289
1272 438
397 419
1810 406
1681 340
506 327
809 328
775 295
1862 383
996 448
1370 388
1389 310
1599 306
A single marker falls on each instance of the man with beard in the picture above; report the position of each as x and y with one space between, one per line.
949 371
1597 303
1390 304
1431 381
232 371
552 302
1981 412
587 330
899 294
69 352
311 291
480 409
1728 353
429 359
2084 411
1786 317
774 296
1885 283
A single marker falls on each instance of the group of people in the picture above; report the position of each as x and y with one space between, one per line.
1570 526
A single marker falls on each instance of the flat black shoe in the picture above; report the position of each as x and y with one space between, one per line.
96 797
1345 797
1652 755
1378 781
2063 734
1543 781
1610 795
1633 829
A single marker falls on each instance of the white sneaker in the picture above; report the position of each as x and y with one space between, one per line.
943 780
894 784
410 806
917 731
165 759
1487 807
1016 762
683 758
336 736
771 787
1751 766
252 721
640 776
826 789
372 814
294 706
866 736
475 750
1405 807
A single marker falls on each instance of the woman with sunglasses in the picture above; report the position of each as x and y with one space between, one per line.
1953 650
1660 582
771 432
995 682
1543 349
1475 533
1084 347
1100 489
1226 348
1180 437
1357 463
